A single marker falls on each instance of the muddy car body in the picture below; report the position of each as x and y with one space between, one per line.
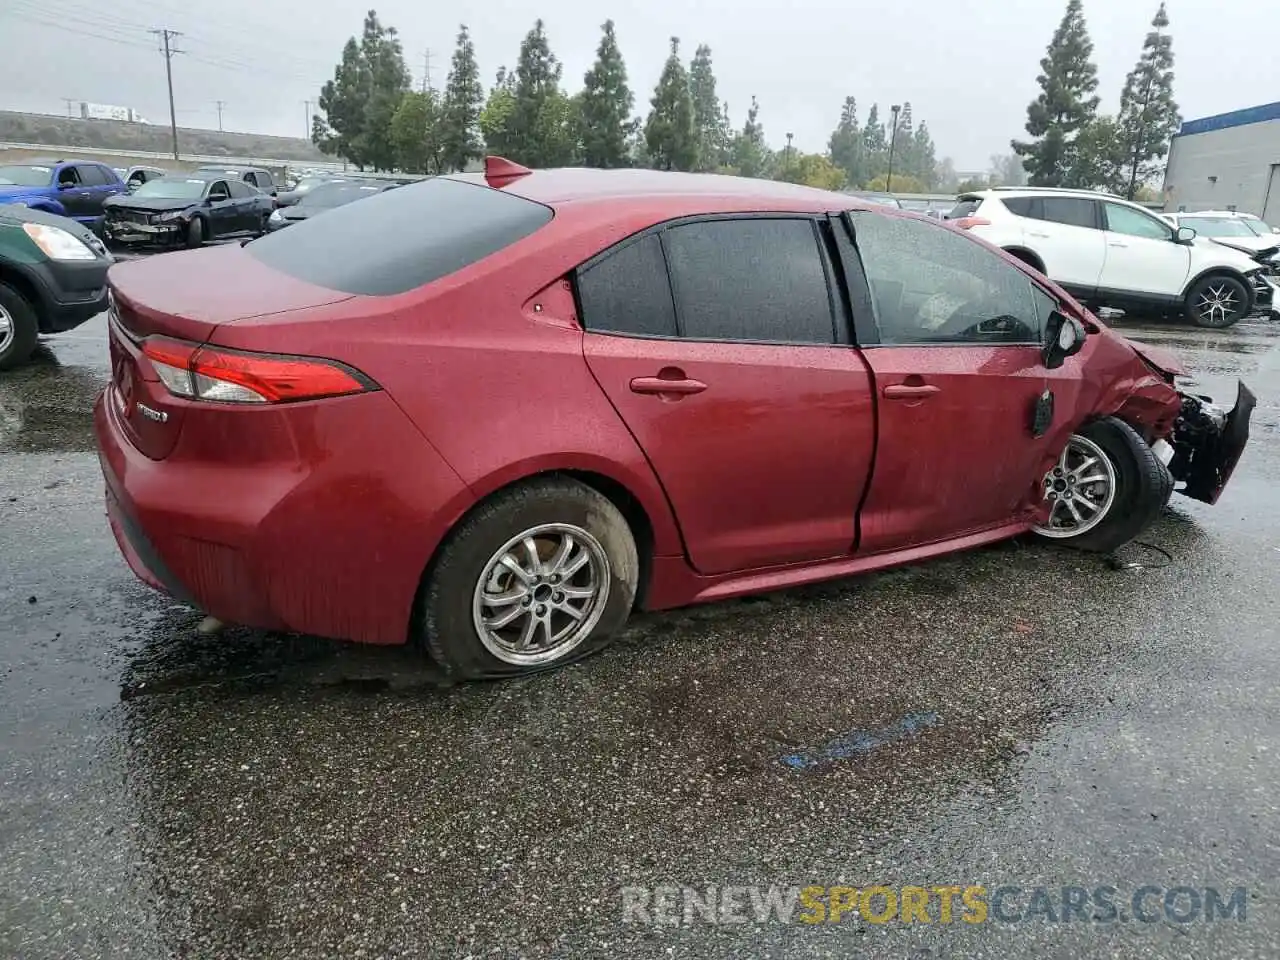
489 415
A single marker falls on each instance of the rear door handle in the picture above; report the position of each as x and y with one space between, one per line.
902 391
662 385
1117 243
1032 233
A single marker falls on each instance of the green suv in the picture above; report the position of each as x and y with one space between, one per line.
53 277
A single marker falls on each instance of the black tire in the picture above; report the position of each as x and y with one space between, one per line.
17 344
445 625
1143 486
196 233
1220 286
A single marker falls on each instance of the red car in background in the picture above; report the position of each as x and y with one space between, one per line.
490 414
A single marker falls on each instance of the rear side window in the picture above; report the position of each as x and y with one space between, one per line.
396 241
239 190
754 279
1022 206
628 292
1072 211
965 207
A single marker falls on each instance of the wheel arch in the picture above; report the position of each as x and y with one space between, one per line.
30 290
651 524
1026 255
1217 271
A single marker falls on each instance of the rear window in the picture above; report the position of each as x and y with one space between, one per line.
965 207
398 240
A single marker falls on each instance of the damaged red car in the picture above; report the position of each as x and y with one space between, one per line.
489 415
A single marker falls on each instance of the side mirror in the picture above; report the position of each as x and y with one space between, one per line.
1064 337
1184 235
64 185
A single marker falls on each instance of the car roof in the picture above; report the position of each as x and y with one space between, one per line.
1217 213
231 168
690 192
208 176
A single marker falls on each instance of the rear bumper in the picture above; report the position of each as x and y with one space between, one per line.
332 544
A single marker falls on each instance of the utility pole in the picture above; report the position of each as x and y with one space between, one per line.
306 106
166 35
893 139
426 71
787 164
69 101
221 104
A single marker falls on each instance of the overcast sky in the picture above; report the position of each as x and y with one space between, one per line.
968 67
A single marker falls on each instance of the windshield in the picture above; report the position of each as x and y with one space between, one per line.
16 176
1259 227
336 194
1218 227
165 188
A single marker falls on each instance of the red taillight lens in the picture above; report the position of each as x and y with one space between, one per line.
964 223
234 376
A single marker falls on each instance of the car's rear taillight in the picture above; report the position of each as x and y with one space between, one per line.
964 223
235 376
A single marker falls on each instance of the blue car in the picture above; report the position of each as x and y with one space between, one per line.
68 188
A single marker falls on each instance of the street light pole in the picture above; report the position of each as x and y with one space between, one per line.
893 139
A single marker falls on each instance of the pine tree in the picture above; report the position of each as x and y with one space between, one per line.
707 116
417 130
1066 103
495 118
606 106
904 162
535 139
845 146
875 145
337 126
669 132
924 159
751 155
1148 114
389 81
463 100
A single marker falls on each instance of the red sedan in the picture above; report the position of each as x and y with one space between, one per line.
489 415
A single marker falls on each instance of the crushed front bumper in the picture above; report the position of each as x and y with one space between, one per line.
1207 443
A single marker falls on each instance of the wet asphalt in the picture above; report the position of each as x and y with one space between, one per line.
1018 716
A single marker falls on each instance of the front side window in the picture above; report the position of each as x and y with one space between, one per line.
68 175
1135 223
1070 211
933 284
92 175
756 279
219 191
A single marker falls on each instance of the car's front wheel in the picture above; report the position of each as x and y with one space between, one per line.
19 328
196 232
1218 301
1106 488
538 576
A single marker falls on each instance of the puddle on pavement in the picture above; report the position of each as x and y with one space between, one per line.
46 407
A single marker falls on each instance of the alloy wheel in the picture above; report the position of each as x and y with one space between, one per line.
1081 488
1217 303
541 594
8 330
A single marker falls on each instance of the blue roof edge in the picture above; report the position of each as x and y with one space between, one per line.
1236 118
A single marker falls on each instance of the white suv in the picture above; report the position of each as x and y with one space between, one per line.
1109 252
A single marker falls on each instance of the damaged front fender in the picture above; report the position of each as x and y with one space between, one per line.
1207 443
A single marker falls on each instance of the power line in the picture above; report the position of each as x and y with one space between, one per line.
166 35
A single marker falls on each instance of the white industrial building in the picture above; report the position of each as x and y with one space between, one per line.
1227 162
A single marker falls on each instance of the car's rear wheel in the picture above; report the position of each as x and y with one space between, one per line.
19 328
540 575
1106 488
195 232
1217 301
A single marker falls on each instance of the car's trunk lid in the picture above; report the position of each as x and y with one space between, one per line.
186 296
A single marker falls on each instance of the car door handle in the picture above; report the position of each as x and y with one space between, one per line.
1032 233
904 391
1117 243
663 385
